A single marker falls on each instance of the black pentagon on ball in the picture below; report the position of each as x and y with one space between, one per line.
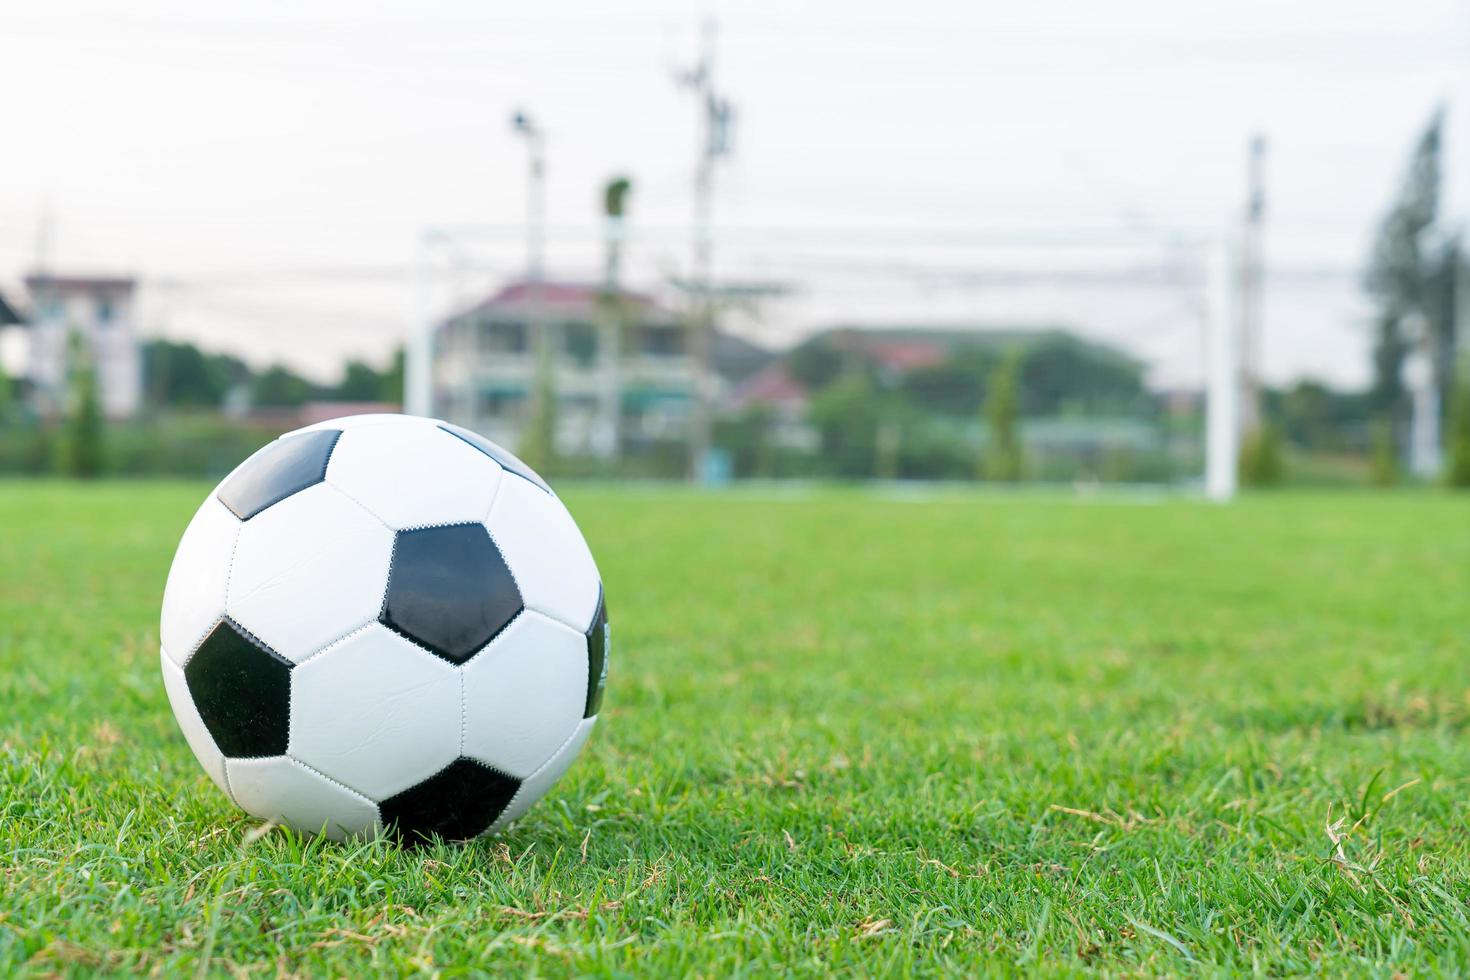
458 802
599 647
449 589
508 460
242 690
288 465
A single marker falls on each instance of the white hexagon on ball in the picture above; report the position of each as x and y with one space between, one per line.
194 596
546 553
282 790
309 570
524 693
414 475
375 712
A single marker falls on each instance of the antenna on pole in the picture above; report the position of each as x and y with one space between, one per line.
716 120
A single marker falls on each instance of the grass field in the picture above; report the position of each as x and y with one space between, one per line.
842 733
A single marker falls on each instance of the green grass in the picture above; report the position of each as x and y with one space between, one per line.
842 732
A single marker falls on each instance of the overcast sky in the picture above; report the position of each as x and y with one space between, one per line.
267 168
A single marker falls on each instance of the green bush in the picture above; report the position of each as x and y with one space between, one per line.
1002 458
189 445
1457 473
81 449
1261 463
1383 468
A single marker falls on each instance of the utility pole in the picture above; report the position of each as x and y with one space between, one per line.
716 115
1251 275
541 434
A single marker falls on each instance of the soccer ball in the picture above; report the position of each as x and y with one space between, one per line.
384 622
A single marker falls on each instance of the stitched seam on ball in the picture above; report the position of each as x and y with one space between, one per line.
366 509
335 782
500 823
463 711
265 647
229 573
433 524
506 562
331 448
224 767
366 625
494 496
538 610
423 649
496 827
388 580
438 661
557 751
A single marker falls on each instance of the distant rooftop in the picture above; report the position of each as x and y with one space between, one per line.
907 348
520 291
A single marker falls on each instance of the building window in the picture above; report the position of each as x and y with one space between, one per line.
104 311
579 405
493 403
580 342
660 341
502 337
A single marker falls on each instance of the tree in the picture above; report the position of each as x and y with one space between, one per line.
538 442
360 382
1400 275
1002 458
1060 372
393 379
955 386
180 375
1446 273
615 197
280 387
1314 416
747 438
846 415
1261 463
82 447
815 363
1458 472
1384 459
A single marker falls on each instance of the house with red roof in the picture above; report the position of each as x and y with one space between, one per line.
622 367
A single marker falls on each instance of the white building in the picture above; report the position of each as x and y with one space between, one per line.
623 379
98 312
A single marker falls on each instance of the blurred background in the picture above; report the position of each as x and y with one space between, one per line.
1149 243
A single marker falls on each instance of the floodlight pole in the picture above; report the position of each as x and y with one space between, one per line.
1222 407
